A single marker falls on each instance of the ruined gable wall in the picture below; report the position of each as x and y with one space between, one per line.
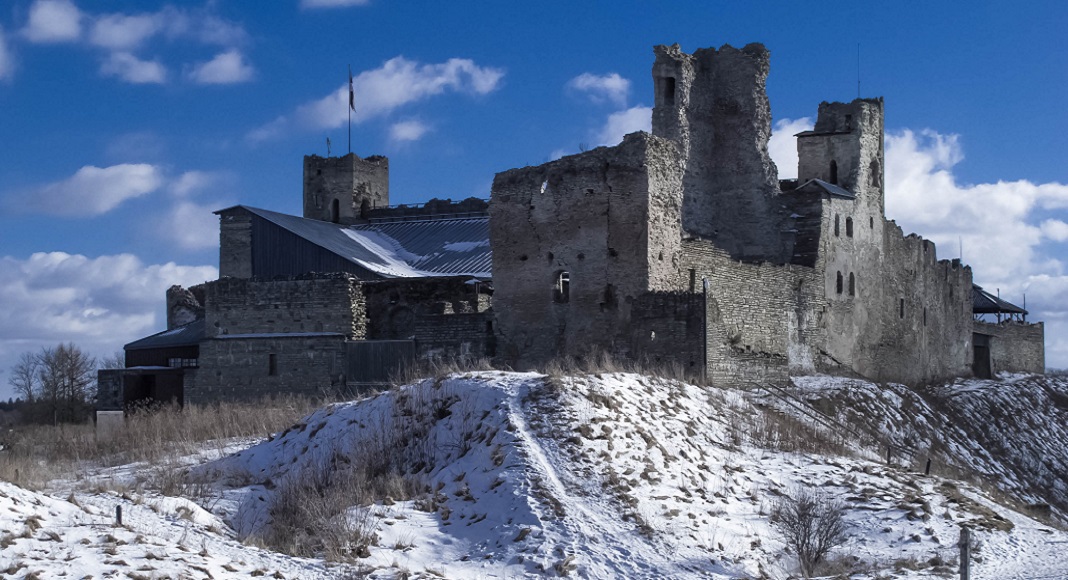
297 305
714 104
235 244
1015 347
587 215
764 320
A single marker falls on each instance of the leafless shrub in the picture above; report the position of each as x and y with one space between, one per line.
811 525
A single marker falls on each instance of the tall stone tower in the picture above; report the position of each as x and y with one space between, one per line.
343 189
846 148
713 103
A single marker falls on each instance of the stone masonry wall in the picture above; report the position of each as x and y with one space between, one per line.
588 216
448 317
358 185
714 103
764 320
333 304
1015 347
235 244
240 368
667 328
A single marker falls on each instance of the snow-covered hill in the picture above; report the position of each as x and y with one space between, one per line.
506 475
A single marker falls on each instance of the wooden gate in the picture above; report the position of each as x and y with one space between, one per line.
377 362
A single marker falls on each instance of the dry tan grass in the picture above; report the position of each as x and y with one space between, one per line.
39 453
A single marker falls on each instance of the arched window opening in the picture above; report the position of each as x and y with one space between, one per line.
875 175
852 285
901 308
871 223
669 91
838 284
836 225
925 316
562 288
849 227
834 172
272 364
335 211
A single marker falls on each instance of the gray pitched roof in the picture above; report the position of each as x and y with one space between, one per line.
984 302
406 249
825 187
187 335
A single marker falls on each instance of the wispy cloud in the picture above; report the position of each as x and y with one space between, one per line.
332 3
7 60
133 70
228 67
379 92
52 21
95 190
189 225
782 146
124 32
404 131
601 88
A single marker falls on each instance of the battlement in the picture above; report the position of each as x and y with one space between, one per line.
344 189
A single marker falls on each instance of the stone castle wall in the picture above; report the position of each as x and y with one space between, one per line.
313 304
233 368
1014 346
235 244
608 219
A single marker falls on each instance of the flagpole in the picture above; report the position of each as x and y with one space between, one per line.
350 108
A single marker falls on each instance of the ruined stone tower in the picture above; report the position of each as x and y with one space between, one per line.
846 149
713 103
343 189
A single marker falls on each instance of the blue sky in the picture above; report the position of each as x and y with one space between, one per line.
125 123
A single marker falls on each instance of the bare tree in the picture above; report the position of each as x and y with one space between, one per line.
116 360
24 376
811 524
68 381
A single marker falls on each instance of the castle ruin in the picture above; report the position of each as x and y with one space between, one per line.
679 247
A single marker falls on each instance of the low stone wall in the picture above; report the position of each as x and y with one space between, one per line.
251 367
1015 347
332 304
666 328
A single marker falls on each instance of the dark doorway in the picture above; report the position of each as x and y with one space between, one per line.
981 358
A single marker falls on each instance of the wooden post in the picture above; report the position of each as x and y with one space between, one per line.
927 470
118 516
965 552
888 454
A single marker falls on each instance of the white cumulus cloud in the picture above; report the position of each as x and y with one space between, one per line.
782 146
189 225
124 32
1055 230
133 70
96 190
379 92
228 67
411 130
621 123
332 3
600 88
97 303
53 21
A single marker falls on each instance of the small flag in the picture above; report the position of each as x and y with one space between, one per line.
352 93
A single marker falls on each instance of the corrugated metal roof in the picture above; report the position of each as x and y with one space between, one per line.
411 249
188 335
826 187
984 302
